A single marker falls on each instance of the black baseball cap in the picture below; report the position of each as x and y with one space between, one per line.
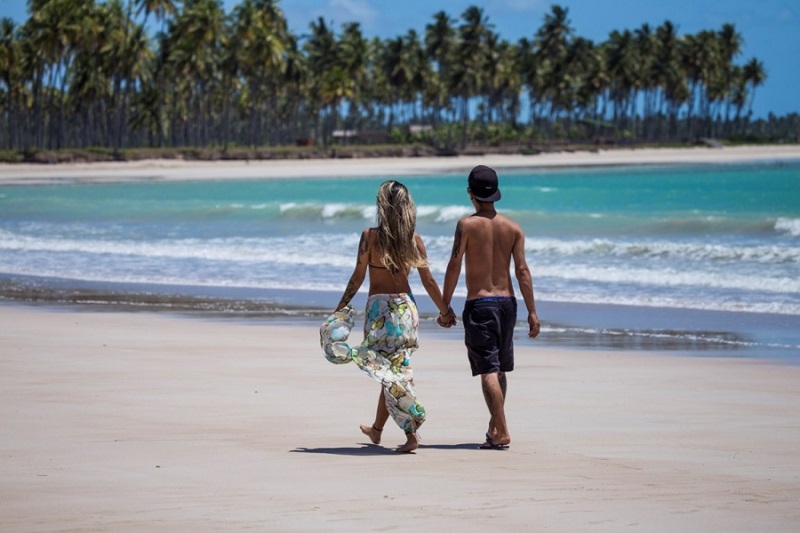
483 184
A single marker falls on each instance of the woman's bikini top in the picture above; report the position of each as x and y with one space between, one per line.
369 259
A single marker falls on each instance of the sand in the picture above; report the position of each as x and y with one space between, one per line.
121 421
193 170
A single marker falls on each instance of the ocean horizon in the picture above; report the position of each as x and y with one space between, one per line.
681 258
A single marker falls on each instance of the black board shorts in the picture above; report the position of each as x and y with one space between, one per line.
489 333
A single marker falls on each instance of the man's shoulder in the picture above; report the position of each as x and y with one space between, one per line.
505 221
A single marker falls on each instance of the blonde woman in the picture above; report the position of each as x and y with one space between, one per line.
388 252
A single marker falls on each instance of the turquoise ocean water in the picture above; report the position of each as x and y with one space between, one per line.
685 258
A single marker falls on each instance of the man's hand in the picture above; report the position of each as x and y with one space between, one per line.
533 325
448 320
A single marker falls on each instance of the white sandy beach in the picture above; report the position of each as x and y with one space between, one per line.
195 170
125 421
118 421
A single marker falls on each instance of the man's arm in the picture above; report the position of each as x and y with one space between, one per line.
359 273
454 265
525 282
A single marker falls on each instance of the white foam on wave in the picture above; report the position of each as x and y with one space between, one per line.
666 302
424 211
369 212
328 211
680 250
332 210
307 249
435 213
452 213
670 277
788 225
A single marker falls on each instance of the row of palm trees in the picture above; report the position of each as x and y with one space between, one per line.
131 73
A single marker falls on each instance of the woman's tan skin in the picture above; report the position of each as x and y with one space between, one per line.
383 281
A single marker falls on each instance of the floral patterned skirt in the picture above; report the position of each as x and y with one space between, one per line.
390 336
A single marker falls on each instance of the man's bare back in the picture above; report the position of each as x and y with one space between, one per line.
487 243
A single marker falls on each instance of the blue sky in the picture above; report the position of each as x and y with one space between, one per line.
771 28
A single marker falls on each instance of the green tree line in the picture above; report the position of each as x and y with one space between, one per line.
163 73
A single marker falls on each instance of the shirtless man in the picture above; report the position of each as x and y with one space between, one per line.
488 241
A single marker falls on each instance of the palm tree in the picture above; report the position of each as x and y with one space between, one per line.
439 45
587 79
90 86
320 48
621 62
257 51
670 75
353 58
730 42
471 58
755 75
551 42
503 81
161 8
87 72
149 105
397 74
10 76
197 40
701 55
646 75
418 70
54 29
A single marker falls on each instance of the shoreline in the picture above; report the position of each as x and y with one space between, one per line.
134 421
574 325
147 170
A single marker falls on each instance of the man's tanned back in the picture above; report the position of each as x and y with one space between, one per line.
488 247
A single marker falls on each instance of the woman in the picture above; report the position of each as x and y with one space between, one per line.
388 252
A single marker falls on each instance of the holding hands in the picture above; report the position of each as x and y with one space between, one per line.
447 320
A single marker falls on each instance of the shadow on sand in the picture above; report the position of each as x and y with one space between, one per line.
372 449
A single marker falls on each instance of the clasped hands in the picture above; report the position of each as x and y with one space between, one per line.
447 320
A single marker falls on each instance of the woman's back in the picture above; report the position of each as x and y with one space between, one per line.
382 280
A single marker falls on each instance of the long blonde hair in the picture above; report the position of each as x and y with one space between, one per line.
397 222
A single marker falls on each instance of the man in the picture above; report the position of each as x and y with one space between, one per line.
487 241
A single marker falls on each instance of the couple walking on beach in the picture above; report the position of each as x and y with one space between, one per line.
487 242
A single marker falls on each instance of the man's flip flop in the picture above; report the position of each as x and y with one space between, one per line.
489 445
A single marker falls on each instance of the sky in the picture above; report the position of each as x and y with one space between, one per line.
770 28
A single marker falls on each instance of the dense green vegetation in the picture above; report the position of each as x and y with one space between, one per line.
143 76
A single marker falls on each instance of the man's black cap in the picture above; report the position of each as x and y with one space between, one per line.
483 184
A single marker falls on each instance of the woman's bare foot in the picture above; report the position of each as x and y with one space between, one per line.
372 432
412 443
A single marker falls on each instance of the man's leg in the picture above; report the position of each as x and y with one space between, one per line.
494 392
501 379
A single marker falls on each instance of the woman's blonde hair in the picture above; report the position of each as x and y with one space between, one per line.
397 222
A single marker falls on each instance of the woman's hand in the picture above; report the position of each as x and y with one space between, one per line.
447 320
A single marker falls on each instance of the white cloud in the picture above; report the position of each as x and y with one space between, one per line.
526 5
786 14
354 10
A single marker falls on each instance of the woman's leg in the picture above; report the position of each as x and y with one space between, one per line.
412 443
381 416
390 336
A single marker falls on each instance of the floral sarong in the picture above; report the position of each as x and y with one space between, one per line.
390 336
